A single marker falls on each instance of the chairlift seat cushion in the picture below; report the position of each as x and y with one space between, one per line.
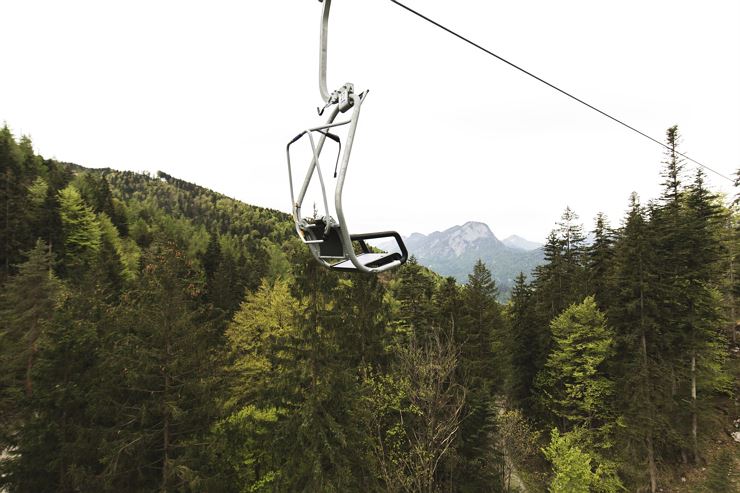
370 260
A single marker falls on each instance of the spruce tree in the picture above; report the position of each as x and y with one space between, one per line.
574 382
643 385
12 203
263 340
165 360
600 262
481 371
706 343
525 344
687 223
414 291
81 232
27 305
448 302
561 280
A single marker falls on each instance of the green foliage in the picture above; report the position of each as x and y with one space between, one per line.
525 345
414 291
560 281
165 362
571 466
575 385
81 231
161 336
573 471
27 305
721 474
478 335
521 441
412 414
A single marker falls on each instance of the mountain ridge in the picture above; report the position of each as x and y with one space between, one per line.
455 250
516 241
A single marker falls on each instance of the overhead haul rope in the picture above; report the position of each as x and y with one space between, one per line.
559 90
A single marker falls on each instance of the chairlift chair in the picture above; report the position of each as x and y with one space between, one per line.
329 239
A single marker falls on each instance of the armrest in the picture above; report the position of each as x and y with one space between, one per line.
383 234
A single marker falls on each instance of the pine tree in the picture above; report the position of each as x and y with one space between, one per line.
561 280
721 475
322 451
574 469
448 302
687 224
12 202
481 370
599 262
525 344
415 291
263 339
70 416
165 361
363 315
27 305
643 385
706 345
81 231
575 386
314 443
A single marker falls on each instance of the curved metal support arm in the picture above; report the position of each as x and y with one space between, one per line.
325 95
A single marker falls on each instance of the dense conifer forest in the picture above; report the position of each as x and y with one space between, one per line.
157 336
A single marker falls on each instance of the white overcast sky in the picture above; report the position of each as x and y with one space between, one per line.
212 91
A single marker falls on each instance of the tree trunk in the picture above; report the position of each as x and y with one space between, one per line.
7 222
166 417
694 424
652 470
733 332
29 368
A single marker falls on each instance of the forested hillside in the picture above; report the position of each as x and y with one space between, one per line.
157 336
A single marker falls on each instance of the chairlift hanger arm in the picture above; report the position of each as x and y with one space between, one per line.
322 51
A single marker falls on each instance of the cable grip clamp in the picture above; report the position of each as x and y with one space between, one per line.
341 97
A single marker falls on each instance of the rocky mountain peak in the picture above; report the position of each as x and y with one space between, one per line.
460 239
520 243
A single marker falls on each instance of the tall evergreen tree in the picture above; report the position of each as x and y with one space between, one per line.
81 231
600 262
574 382
12 202
27 305
165 364
263 341
69 414
561 280
448 302
643 385
526 345
481 370
706 344
415 291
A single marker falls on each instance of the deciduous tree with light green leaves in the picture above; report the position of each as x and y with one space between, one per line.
573 471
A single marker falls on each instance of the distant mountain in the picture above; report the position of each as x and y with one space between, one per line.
454 251
520 243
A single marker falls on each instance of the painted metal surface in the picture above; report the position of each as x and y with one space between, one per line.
340 101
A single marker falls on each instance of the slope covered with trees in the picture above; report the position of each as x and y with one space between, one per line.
157 336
